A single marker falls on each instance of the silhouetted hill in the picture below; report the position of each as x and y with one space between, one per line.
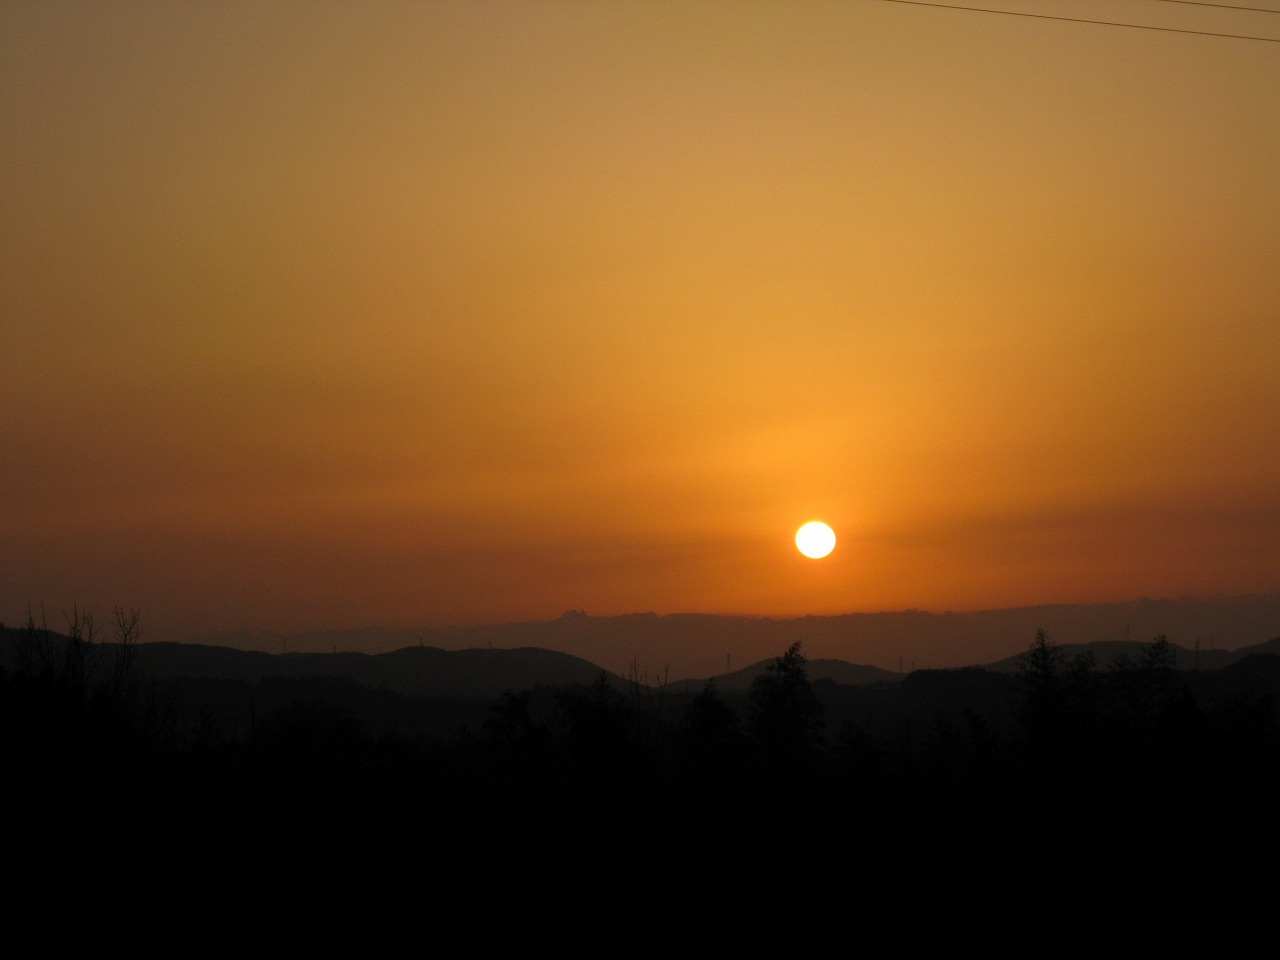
1105 653
694 646
1260 667
413 671
486 673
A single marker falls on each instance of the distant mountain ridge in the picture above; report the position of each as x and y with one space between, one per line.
698 646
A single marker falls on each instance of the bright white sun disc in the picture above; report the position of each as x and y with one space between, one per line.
815 539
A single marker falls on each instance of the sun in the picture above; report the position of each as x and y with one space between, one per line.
815 539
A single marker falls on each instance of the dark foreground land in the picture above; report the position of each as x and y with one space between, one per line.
1131 772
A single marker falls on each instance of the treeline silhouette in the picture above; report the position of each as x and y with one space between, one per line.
1067 762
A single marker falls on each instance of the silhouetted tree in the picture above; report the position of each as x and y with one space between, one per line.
1041 676
1140 689
708 719
598 725
785 717
511 725
646 697
709 744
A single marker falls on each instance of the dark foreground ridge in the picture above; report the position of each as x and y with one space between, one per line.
1062 764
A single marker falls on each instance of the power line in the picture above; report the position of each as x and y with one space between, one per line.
1101 23
1220 6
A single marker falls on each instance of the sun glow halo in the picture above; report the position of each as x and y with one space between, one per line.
815 539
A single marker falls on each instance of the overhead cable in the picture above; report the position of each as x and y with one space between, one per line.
1101 23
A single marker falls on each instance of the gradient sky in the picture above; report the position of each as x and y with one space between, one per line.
325 314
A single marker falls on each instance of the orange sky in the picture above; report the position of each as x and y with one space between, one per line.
325 314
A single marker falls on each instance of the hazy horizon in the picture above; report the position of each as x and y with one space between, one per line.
326 314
